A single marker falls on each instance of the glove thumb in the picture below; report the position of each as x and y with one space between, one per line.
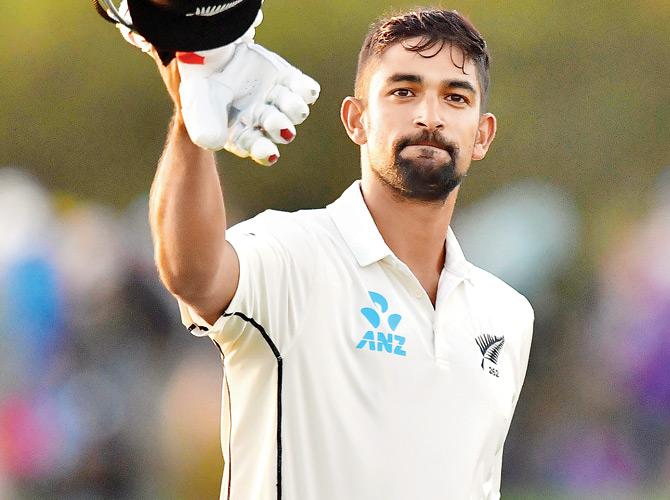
204 107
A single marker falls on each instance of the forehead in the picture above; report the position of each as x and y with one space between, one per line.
433 65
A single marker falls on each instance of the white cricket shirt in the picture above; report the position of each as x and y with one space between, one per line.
343 382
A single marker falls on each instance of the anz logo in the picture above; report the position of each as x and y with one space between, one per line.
379 338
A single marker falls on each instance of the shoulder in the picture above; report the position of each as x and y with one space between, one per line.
280 223
501 298
298 232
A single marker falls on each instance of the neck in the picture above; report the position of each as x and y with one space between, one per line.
415 231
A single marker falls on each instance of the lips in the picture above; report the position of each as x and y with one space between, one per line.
430 144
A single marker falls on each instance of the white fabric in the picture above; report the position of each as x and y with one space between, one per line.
360 421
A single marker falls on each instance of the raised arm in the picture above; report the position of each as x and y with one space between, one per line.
215 109
188 219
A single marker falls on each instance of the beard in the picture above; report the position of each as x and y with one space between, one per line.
412 179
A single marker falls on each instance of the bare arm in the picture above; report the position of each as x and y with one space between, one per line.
188 219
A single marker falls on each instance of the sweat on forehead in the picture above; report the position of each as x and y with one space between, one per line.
429 31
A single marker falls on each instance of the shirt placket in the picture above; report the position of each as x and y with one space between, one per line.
420 303
443 322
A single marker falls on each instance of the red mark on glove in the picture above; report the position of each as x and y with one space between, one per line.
286 134
190 58
273 158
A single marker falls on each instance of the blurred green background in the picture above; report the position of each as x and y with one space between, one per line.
582 96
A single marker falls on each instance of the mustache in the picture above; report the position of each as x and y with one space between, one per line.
434 138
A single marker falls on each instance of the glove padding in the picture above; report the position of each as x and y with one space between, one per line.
240 97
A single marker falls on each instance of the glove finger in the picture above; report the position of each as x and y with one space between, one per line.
264 151
305 86
247 141
240 139
232 147
274 123
134 39
258 20
289 103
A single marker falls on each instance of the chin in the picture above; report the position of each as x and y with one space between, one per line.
435 183
419 183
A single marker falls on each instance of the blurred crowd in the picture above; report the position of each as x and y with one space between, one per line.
103 394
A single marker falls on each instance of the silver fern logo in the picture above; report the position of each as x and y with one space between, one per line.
490 347
213 10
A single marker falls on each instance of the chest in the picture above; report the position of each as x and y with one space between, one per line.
378 327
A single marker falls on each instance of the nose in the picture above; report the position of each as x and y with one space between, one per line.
428 114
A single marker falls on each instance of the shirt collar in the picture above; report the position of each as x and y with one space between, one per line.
353 219
455 262
358 228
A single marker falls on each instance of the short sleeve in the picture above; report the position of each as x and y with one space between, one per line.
277 256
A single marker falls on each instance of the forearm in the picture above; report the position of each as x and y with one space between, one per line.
187 215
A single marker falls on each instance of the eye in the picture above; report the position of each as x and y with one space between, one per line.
402 93
457 99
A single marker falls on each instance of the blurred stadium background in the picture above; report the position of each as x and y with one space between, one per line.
103 394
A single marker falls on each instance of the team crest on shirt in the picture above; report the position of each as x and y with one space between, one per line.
382 336
490 347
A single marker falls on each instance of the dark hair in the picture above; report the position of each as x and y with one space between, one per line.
433 26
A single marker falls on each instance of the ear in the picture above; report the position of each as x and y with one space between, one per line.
351 114
485 134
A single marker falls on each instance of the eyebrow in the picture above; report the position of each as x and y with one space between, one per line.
408 77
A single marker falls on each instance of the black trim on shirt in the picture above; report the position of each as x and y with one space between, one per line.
277 355
229 460
230 437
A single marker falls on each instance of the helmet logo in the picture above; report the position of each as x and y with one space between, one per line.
213 10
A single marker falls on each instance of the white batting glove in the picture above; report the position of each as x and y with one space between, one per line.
240 97
243 98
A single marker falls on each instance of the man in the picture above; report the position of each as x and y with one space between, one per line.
364 357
